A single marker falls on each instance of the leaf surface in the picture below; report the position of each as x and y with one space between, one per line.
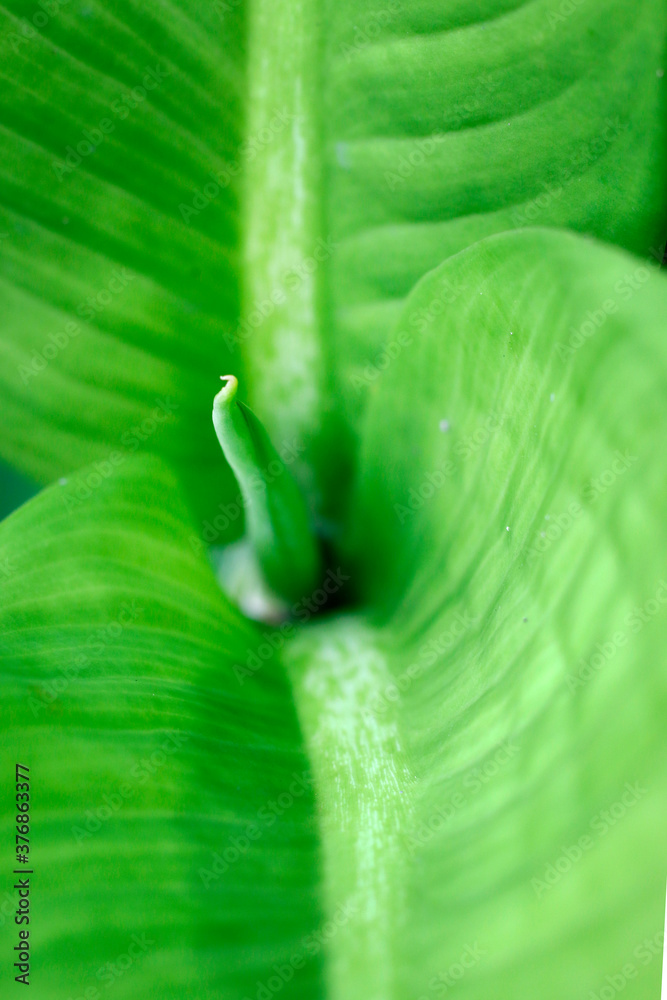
449 122
171 831
369 141
495 780
114 299
484 732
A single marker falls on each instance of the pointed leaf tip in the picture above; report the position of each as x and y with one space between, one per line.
277 521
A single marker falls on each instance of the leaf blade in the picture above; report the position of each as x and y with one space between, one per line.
153 769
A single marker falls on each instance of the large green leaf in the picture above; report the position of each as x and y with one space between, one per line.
171 802
438 124
450 122
373 140
447 122
505 687
498 691
485 730
115 302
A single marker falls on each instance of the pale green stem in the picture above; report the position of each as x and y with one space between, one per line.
277 521
363 785
284 253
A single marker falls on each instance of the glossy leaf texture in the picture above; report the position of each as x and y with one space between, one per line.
510 554
420 129
447 123
482 425
171 824
116 302
484 732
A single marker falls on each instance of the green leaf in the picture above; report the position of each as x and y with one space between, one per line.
438 124
484 730
447 123
488 735
370 141
115 301
171 802
276 517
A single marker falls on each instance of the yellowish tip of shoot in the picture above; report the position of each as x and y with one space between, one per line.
228 391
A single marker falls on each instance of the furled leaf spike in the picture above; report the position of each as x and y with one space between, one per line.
277 521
